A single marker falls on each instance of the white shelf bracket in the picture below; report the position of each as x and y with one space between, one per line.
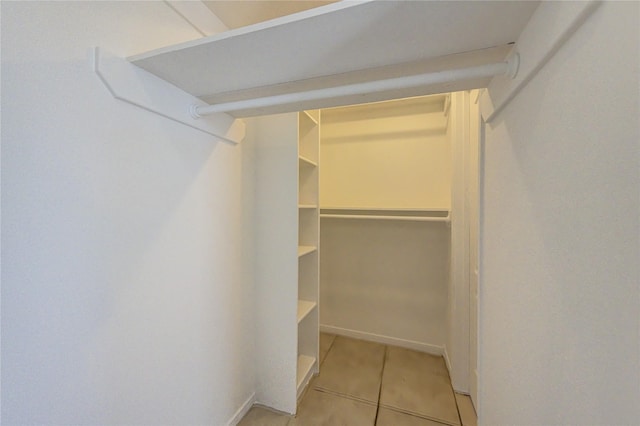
447 105
550 27
131 84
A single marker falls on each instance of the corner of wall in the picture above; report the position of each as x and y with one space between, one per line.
199 16
243 410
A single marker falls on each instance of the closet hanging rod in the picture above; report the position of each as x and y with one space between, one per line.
508 68
382 217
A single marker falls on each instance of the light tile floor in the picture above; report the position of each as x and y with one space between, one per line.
370 384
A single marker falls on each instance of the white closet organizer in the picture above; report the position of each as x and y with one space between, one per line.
308 247
385 197
344 53
287 226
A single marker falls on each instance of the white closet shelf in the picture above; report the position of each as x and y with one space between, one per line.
220 69
304 371
303 250
304 308
304 161
307 206
402 214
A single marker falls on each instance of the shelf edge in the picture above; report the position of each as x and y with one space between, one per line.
307 161
304 372
381 217
304 250
308 306
390 209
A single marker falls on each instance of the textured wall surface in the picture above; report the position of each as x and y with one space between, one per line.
122 285
559 316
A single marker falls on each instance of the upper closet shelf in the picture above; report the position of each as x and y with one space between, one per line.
344 53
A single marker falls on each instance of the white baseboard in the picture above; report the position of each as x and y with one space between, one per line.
448 364
387 340
446 359
244 409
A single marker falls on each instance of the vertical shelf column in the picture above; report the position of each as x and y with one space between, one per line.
275 213
308 246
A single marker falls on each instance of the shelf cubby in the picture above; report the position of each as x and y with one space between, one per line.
304 372
308 242
306 162
304 308
304 250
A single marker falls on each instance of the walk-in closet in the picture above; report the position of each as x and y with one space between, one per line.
345 213
360 224
385 196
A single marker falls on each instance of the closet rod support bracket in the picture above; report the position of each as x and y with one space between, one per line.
513 65
193 111
139 88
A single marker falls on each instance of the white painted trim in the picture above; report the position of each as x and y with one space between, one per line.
447 362
476 93
552 24
387 340
458 331
135 86
447 105
199 16
243 410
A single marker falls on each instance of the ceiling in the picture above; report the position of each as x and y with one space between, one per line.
241 13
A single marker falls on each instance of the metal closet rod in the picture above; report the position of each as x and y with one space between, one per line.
446 218
508 68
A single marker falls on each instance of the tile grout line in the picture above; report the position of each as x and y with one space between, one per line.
325 355
377 405
345 396
457 407
384 363
333 342
309 386
418 415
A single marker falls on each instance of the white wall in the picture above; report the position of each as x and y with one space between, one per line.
457 345
387 154
472 212
275 243
123 295
385 280
559 306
